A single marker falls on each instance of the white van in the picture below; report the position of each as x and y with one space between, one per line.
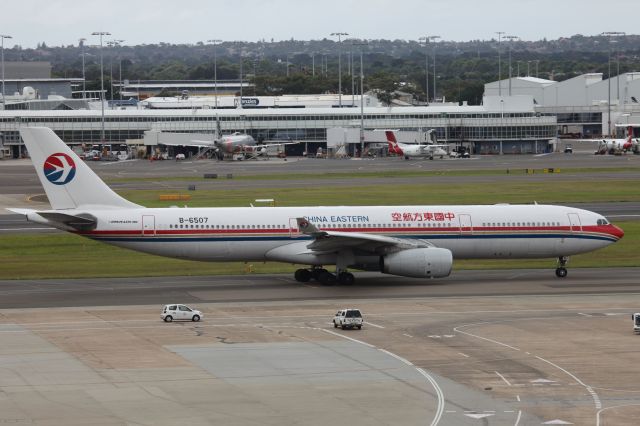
636 322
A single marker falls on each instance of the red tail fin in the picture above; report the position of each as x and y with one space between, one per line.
394 148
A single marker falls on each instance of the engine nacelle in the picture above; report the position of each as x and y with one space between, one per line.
428 262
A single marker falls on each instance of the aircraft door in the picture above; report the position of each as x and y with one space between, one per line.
466 227
148 226
294 231
574 221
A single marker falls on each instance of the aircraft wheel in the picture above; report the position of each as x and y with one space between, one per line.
346 278
561 272
316 272
302 275
326 278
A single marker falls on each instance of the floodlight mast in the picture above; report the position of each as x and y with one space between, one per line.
339 65
610 34
2 37
101 34
510 38
215 69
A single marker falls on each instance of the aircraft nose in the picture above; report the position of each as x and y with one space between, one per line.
616 231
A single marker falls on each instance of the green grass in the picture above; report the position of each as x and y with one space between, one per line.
559 192
374 174
71 256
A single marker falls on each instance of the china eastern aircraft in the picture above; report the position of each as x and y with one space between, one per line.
414 150
418 241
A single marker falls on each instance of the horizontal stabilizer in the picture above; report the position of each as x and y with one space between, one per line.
80 222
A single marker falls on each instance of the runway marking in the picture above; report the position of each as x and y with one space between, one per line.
457 330
607 408
439 393
518 398
408 335
373 325
584 315
519 415
503 378
594 395
348 338
464 355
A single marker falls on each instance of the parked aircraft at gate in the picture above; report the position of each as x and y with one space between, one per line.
414 150
413 241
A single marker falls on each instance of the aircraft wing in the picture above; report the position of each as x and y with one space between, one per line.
269 145
332 241
193 142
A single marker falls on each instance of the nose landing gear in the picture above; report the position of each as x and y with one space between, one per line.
561 271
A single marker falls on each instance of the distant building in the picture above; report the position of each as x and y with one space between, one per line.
141 89
27 81
584 105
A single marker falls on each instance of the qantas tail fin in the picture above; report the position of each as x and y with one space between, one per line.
67 180
394 148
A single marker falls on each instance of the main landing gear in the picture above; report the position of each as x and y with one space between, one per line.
324 277
561 271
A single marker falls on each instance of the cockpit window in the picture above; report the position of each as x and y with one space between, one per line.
602 221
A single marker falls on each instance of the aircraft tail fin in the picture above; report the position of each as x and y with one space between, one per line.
394 148
67 180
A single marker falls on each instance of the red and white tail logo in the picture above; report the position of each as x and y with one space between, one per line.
394 148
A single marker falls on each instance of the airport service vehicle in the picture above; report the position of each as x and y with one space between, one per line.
636 322
348 318
568 149
177 312
417 241
408 151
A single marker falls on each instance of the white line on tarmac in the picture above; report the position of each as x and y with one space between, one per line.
615 406
457 329
464 355
408 335
594 395
373 325
503 378
518 418
584 315
440 409
348 338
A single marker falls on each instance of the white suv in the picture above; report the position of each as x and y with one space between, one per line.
179 312
348 318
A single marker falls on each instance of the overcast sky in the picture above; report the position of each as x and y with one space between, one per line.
63 22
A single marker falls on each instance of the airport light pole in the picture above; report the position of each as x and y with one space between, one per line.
426 64
84 87
2 37
434 38
609 35
112 44
499 64
339 65
510 38
361 45
101 34
215 70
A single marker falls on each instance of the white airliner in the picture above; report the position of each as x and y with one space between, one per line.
413 241
614 146
414 150
238 144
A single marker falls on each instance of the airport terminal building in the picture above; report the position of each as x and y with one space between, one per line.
587 106
502 124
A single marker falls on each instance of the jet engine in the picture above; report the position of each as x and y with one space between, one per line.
428 262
